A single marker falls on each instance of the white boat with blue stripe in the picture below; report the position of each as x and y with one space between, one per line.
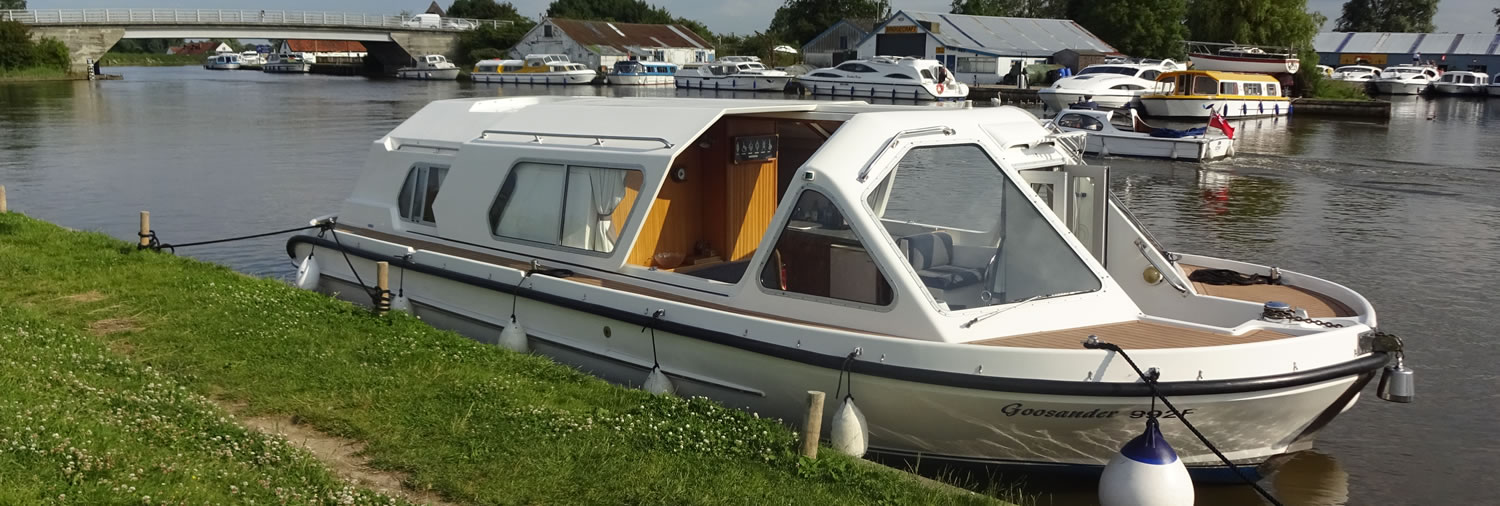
732 73
890 77
642 73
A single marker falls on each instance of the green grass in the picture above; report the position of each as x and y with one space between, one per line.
34 74
475 423
150 60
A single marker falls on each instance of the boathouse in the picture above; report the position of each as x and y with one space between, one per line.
838 43
201 47
980 49
326 51
1477 52
602 43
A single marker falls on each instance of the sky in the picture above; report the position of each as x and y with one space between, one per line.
737 16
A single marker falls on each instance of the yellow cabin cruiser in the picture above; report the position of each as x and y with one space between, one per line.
1192 93
535 69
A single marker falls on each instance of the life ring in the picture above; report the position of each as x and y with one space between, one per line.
940 87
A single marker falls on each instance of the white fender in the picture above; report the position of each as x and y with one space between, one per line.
1146 472
513 337
308 273
400 303
658 383
850 435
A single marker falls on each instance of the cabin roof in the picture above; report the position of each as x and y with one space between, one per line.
1222 76
1007 36
623 36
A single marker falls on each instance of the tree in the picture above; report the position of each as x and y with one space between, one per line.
1387 16
484 9
798 21
12 4
1267 22
1141 28
1496 12
1017 8
482 43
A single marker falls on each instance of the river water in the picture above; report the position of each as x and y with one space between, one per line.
1406 212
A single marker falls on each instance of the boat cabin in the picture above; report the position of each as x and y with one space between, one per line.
772 208
637 67
1209 83
1464 78
498 66
1398 72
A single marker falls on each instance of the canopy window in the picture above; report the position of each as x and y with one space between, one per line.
573 206
1205 85
818 254
419 192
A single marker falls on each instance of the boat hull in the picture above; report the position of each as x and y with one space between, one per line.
878 90
543 78
428 74
907 411
1248 65
1494 90
742 83
1188 148
1229 108
1400 87
286 68
652 80
1458 89
222 66
1059 98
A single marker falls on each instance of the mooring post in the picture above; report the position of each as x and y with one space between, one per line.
812 426
145 229
383 286
3 208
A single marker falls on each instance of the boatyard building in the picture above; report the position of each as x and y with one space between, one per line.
602 43
1477 52
326 51
838 43
980 49
201 47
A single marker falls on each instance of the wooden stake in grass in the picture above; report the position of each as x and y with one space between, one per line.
812 426
145 229
3 207
383 285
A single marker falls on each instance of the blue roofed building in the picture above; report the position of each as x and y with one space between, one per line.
979 49
1478 52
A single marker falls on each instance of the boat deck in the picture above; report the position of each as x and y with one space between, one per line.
1136 335
1316 304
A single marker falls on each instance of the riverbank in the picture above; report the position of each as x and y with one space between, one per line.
150 60
126 361
37 74
1352 108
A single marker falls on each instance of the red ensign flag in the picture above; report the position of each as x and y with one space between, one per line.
1217 121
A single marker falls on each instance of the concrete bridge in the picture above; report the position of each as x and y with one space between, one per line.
392 40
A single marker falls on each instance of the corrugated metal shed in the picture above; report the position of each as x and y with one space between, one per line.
1010 36
622 36
1407 43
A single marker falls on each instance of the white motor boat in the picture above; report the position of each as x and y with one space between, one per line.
887 77
286 63
1355 73
1241 58
431 67
1405 79
1459 82
535 69
251 58
1113 86
1110 133
732 73
960 268
222 61
1494 87
642 73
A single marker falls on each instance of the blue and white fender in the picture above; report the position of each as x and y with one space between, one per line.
1146 472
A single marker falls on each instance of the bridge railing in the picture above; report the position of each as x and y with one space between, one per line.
237 17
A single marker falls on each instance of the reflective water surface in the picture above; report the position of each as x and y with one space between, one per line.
1403 211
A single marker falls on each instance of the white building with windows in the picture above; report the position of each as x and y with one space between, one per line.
979 49
602 43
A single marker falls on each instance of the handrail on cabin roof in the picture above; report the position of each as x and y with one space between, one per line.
598 138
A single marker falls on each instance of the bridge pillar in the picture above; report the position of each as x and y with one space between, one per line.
408 45
84 43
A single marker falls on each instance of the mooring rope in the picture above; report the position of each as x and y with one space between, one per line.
1150 380
155 243
374 293
845 372
651 324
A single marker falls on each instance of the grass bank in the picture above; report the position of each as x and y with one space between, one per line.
150 60
116 362
35 74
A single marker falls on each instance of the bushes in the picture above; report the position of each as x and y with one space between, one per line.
19 52
486 53
471 42
1322 87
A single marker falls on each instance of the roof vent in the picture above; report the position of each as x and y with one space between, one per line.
616 29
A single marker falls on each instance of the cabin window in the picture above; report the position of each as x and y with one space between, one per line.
897 76
1150 75
1229 88
512 68
856 67
970 234
570 206
1079 121
1272 91
418 193
825 74
927 74
818 254
1252 89
1204 85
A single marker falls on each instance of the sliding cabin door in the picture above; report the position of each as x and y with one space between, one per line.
1078 195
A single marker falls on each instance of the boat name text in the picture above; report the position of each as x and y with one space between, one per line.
1018 409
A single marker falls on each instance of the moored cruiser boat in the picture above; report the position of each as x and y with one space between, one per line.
1242 58
222 61
771 247
251 58
1114 85
286 63
432 67
1355 73
1194 93
1494 87
886 77
1458 82
1133 137
535 69
732 73
642 72
1405 79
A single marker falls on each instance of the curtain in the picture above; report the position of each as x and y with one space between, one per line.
578 220
532 211
609 191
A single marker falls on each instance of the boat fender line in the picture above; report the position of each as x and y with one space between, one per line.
155 244
374 293
513 335
849 432
1146 472
1150 379
308 272
400 302
657 382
